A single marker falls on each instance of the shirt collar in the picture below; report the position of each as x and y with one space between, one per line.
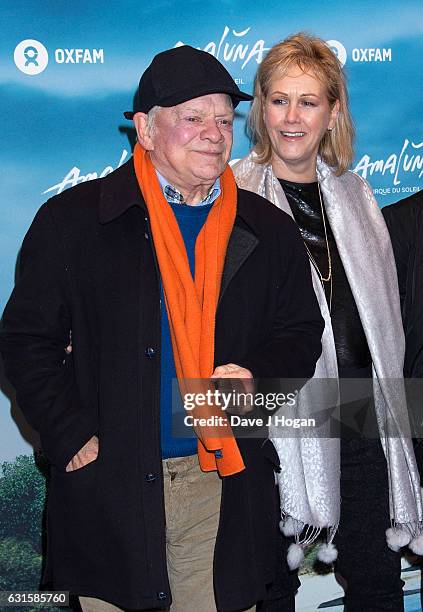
173 196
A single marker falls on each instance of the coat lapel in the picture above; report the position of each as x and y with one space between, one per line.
241 244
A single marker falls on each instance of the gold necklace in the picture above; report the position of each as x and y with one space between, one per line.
328 278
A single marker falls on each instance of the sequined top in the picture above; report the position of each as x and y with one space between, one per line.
351 346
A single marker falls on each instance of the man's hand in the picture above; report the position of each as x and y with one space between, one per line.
246 385
86 455
231 370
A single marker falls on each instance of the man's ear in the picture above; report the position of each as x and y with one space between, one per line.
143 132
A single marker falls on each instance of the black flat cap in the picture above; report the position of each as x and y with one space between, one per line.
181 74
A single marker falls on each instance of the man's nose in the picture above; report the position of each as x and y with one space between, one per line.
211 131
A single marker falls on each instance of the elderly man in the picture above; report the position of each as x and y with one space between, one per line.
162 269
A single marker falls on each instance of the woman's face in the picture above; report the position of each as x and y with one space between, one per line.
297 115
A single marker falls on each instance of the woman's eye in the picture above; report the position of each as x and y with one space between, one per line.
193 119
225 122
279 101
308 103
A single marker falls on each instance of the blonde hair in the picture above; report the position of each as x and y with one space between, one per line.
310 54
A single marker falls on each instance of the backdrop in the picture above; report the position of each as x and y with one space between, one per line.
69 70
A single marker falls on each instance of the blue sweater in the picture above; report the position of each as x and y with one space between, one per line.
191 219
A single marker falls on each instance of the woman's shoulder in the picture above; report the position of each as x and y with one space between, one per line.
350 179
248 173
350 187
240 166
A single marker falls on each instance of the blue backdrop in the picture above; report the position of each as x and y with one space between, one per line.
69 69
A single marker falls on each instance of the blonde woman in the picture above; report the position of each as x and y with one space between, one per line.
303 146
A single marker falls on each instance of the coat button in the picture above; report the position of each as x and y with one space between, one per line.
146 236
150 477
161 595
150 352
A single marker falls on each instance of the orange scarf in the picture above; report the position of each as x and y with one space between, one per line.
191 305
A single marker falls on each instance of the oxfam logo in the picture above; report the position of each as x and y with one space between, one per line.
339 50
31 57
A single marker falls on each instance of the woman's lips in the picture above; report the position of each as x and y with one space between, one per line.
292 135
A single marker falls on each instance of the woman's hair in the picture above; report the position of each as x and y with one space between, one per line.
310 54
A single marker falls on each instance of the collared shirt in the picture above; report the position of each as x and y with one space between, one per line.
173 196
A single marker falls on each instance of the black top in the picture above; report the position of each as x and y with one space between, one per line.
352 350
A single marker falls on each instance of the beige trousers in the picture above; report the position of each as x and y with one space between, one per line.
192 505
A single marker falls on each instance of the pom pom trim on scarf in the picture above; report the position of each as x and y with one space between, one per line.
295 556
327 553
290 527
398 538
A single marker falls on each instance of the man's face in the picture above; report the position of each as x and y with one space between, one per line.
190 143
